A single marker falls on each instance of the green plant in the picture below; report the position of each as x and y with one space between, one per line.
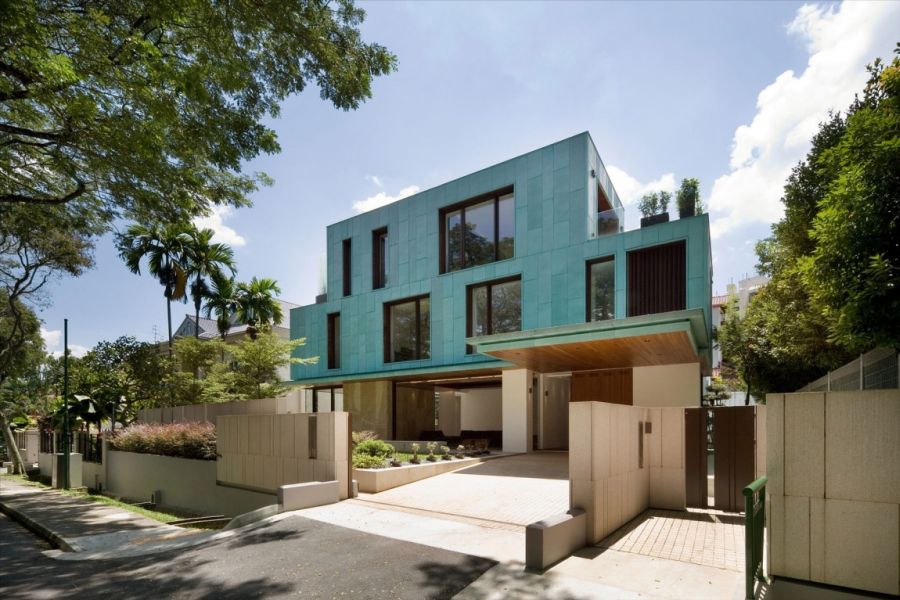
181 440
460 451
374 448
687 198
415 453
654 203
445 452
367 461
431 448
362 436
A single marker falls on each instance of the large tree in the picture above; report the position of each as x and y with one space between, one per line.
204 259
257 305
150 109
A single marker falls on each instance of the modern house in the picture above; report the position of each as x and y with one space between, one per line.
483 306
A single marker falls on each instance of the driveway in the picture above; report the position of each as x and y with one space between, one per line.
292 557
508 492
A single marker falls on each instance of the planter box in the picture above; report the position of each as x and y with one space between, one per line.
654 219
372 481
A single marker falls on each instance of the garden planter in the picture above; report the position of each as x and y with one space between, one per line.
654 219
687 211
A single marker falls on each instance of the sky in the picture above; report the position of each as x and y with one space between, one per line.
729 93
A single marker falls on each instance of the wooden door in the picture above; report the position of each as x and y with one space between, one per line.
695 466
734 440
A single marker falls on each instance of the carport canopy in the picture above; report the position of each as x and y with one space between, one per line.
647 340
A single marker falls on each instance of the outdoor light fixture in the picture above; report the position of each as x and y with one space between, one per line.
593 173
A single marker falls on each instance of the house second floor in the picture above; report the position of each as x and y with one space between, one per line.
535 242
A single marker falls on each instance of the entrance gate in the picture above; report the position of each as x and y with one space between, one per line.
728 433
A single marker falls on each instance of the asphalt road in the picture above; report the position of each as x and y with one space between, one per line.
294 557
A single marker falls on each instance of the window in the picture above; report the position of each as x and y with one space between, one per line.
346 264
407 330
601 289
479 231
379 258
494 307
334 341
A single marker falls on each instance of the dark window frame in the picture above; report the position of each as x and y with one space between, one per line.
379 258
490 305
334 341
587 283
386 327
346 263
461 206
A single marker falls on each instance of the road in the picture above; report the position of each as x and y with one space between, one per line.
294 557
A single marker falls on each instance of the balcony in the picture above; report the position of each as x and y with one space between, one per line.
609 222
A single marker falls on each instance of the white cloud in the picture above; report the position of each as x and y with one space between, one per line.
216 221
53 344
630 189
374 179
381 198
841 41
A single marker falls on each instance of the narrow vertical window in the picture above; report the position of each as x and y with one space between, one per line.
601 289
334 341
347 271
379 258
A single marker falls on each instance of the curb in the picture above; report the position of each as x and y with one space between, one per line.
55 539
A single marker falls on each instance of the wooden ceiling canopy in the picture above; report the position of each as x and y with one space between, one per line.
634 351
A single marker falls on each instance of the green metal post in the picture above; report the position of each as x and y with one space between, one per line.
66 481
754 533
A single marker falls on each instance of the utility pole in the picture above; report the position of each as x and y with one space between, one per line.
66 447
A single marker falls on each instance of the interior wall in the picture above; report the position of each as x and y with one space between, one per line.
481 409
369 403
835 521
415 411
667 385
449 412
555 413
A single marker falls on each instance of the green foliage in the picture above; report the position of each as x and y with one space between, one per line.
361 436
203 260
149 110
368 461
687 198
716 392
182 440
221 301
257 306
654 203
374 448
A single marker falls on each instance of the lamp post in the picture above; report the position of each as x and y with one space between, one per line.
66 403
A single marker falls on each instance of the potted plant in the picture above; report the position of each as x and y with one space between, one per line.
655 208
460 451
431 448
445 452
415 454
687 198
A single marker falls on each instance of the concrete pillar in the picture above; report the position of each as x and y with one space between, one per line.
518 408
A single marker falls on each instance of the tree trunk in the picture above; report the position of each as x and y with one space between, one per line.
169 315
14 454
197 302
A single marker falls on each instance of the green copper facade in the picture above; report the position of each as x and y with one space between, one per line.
555 190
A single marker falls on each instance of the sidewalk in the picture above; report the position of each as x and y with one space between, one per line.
83 529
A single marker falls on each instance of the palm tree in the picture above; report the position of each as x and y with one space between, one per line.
222 300
163 246
204 259
257 304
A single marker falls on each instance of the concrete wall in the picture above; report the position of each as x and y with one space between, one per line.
609 478
263 452
370 404
481 409
517 410
449 413
415 411
834 485
288 404
29 443
185 484
667 385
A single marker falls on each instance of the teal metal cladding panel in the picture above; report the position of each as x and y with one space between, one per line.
554 200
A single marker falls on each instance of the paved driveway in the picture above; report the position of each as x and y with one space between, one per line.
508 492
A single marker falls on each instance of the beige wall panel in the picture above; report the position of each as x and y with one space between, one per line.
221 468
796 537
517 410
775 444
614 505
653 451
290 470
341 435
254 431
619 435
667 488
804 445
817 539
601 443
286 435
301 436
863 545
667 385
324 470
581 441
243 436
267 431
325 437
306 469
760 440
449 413
775 530
863 445
672 441
582 495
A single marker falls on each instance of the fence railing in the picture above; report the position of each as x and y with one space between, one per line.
89 445
875 370
754 533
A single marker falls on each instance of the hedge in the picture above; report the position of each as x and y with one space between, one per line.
181 440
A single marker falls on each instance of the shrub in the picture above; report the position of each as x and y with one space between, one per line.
363 436
182 440
415 454
460 451
445 452
367 461
374 448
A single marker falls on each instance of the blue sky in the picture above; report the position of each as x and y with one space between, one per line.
726 92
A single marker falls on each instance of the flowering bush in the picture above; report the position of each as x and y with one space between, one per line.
183 440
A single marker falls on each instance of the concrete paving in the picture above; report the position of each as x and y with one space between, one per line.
513 491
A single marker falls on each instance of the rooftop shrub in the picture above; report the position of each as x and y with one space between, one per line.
181 440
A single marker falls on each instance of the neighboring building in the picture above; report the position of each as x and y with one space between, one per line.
481 307
209 330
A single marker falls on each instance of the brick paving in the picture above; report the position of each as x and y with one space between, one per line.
709 538
509 492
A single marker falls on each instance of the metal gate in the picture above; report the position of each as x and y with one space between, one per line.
728 435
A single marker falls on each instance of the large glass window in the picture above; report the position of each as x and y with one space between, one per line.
334 341
407 332
379 258
478 232
494 307
601 289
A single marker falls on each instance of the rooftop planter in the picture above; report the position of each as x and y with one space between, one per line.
655 208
